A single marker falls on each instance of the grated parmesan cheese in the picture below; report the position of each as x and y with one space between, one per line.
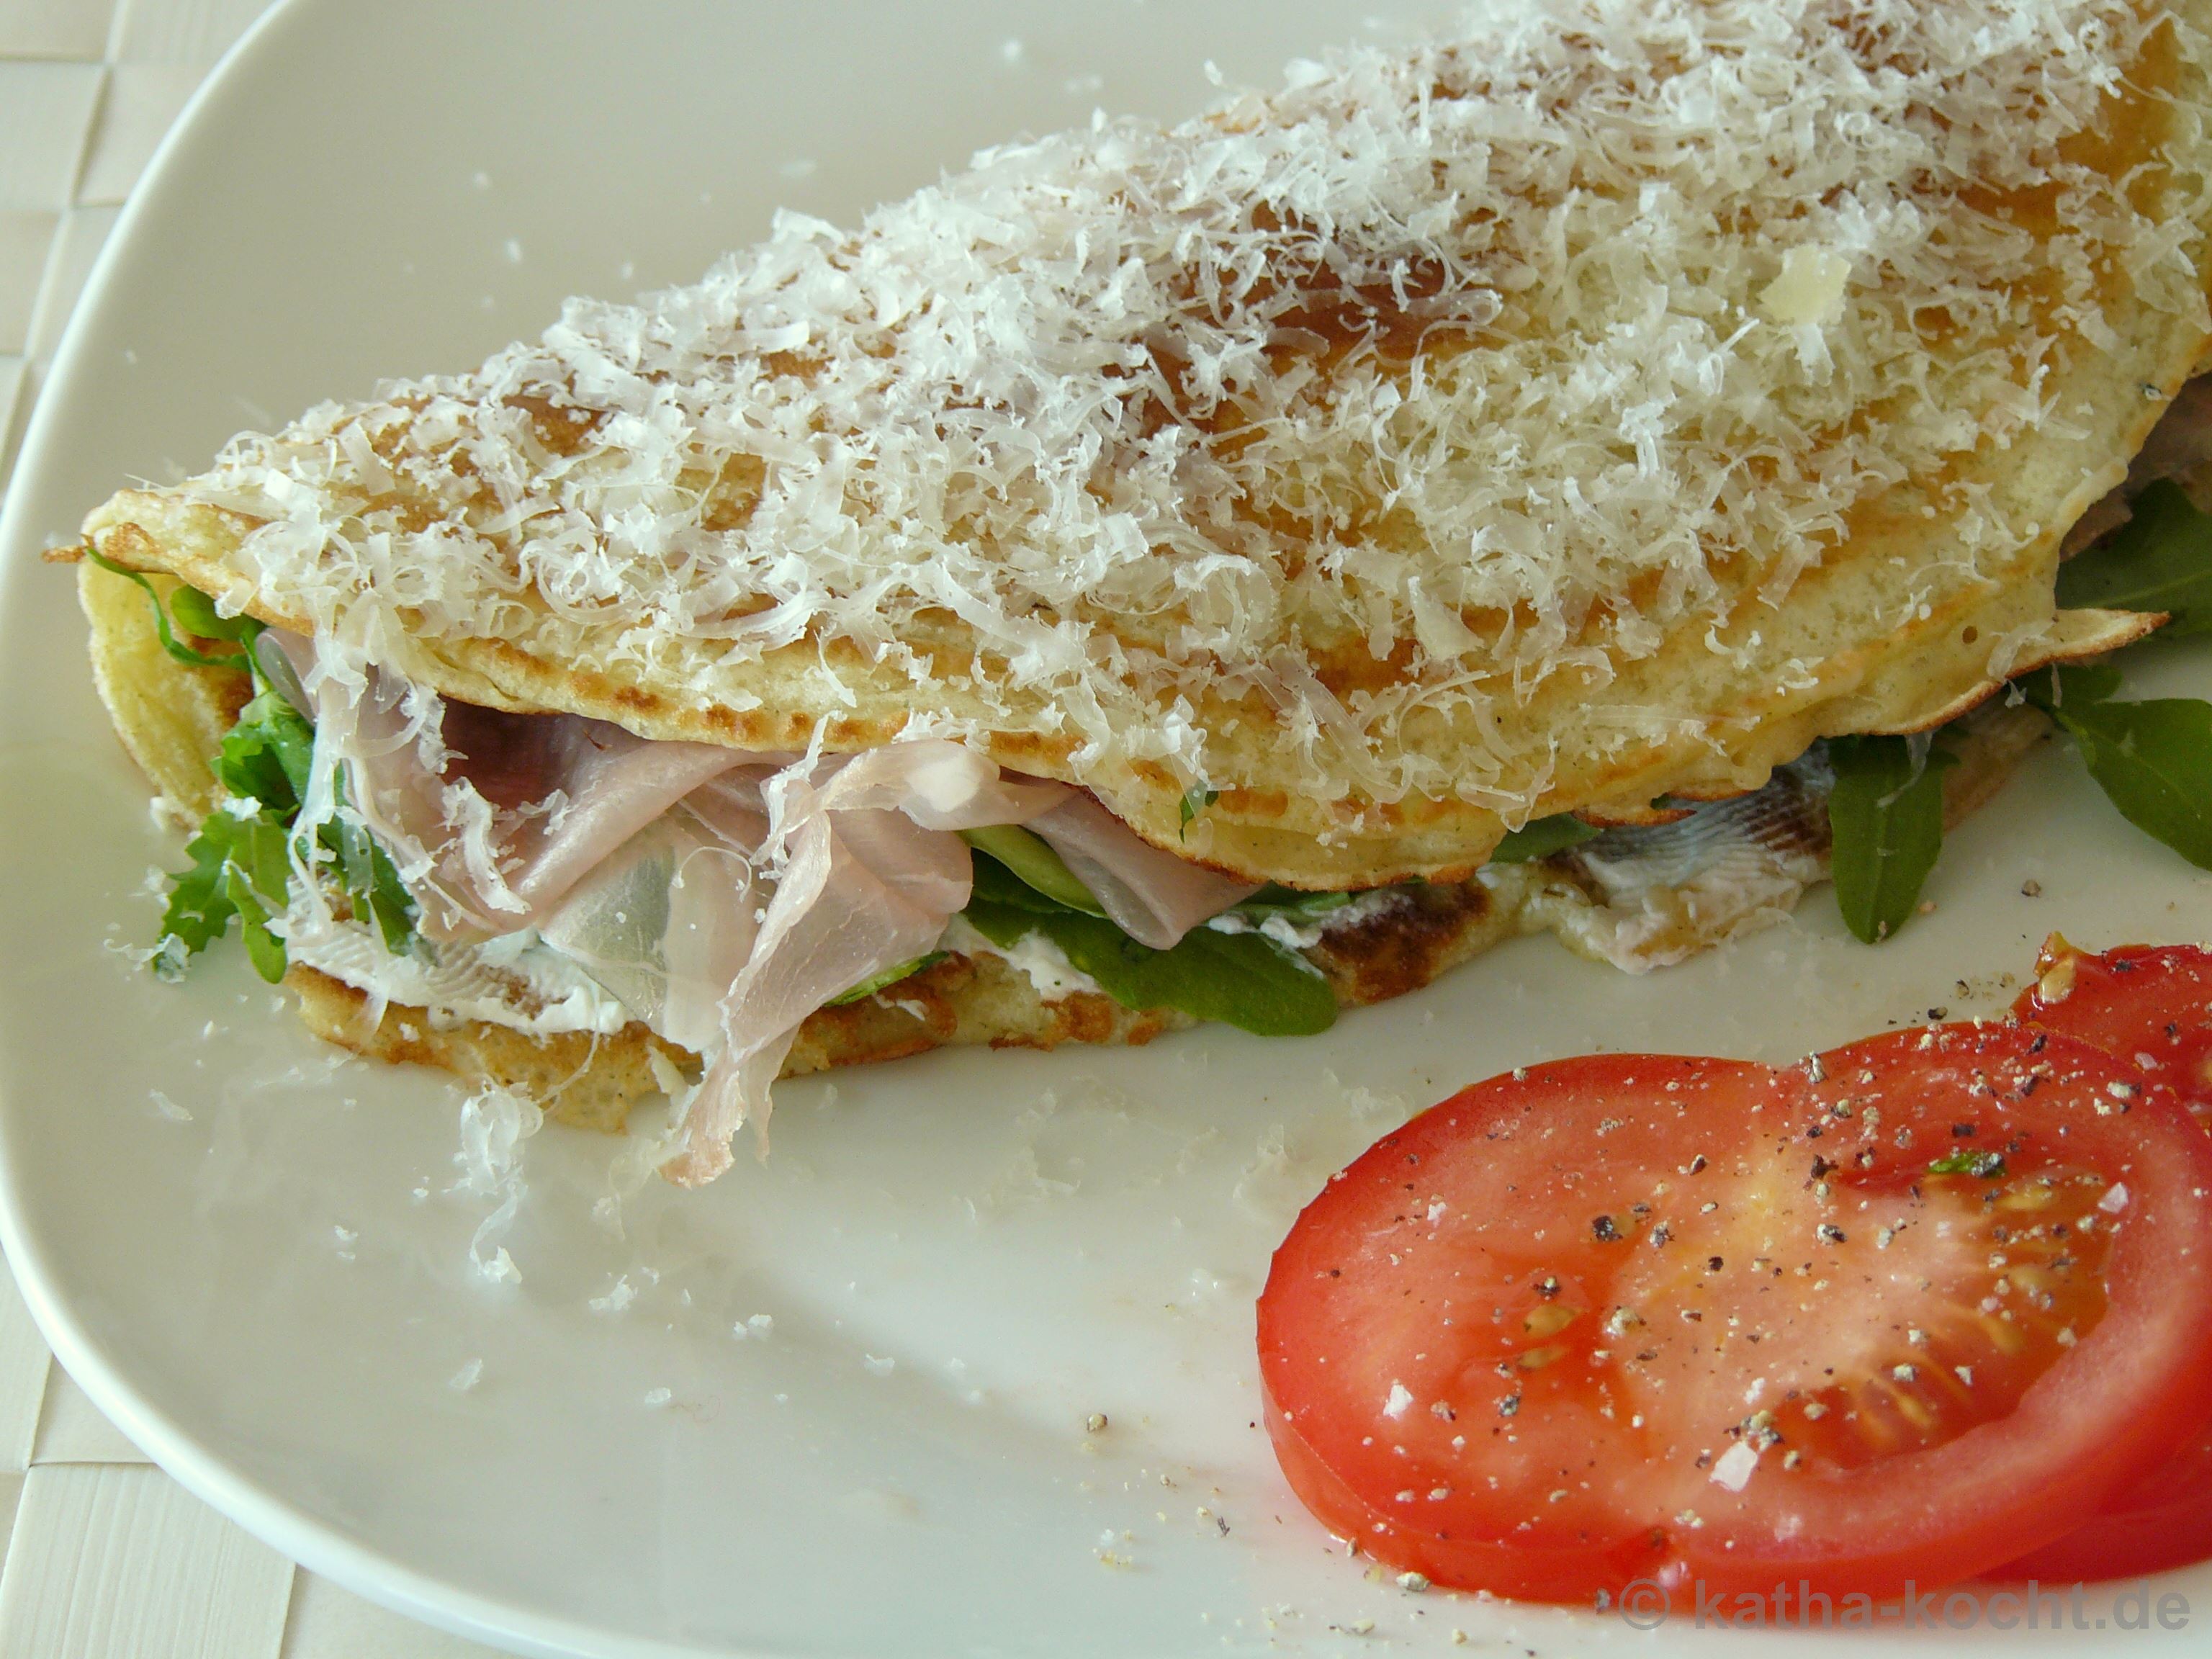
1507 357
515 980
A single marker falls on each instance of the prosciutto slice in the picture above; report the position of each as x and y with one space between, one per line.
867 876
665 924
1153 896
722 896
2179 444
491 818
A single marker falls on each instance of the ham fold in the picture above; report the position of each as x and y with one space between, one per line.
1153 896
490 818
867 875
722 896
666 923
2178 445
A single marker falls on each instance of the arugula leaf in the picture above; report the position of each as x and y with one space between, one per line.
1193 802
1991 1166
195 613
1030 856
266 757
237 864
241 628
1542 838
262 948
1274 900
1886 825
242 854
1001 886
2153 759
261 855
2071 683
889 977
242 867
2159 560
1244 980
199 909
371 881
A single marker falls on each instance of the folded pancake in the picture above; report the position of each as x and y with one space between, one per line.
1601 406
1638 898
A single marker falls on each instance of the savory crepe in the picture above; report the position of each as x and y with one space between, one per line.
1236 530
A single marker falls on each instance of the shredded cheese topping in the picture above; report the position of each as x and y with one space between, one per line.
1384 398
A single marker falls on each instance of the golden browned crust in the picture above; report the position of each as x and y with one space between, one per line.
580 1077
591 1081
1434 928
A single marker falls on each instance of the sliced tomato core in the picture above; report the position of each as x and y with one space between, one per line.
1871 1307
1857 1322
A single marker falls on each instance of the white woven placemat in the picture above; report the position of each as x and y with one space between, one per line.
106 1557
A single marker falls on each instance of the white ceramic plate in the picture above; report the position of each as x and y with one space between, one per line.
251 1255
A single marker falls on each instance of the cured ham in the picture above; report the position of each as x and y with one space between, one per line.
2177 448
722 896
868 875
1153 896
665 924
490 818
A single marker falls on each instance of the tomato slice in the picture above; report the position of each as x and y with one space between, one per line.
1905 1313
2163 1520
2150 1004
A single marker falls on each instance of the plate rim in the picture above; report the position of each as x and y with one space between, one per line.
257 1507
262 1512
